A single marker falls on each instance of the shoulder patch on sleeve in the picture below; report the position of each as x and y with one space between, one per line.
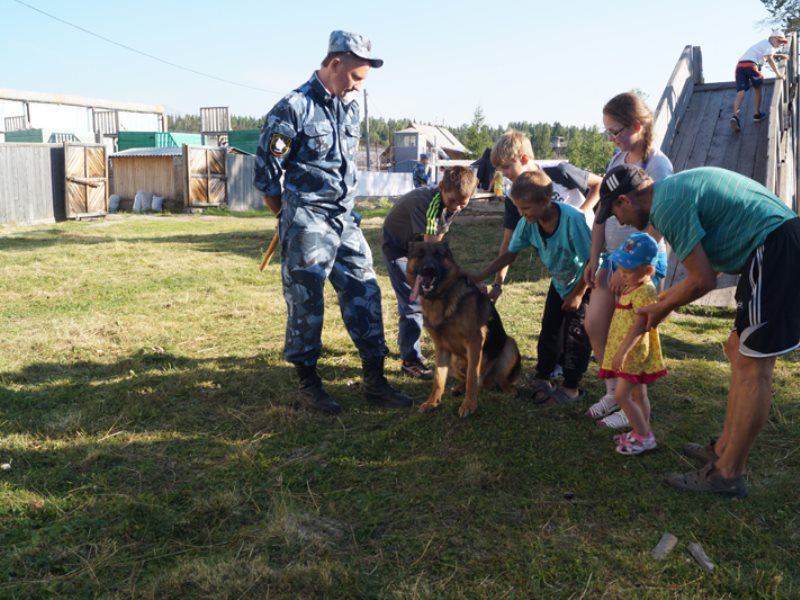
279 144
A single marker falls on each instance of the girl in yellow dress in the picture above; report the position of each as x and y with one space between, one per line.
632 354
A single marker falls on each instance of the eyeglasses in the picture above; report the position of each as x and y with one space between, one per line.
612 135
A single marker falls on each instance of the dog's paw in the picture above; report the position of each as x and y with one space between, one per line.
428 406
467 408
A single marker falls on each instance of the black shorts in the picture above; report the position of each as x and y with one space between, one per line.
747 74
768 295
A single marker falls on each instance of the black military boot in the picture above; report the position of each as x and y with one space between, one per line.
377 390
312 393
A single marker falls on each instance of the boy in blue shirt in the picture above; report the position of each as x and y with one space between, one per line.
562 238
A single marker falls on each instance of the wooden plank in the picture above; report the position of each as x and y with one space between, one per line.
724 138
146 173
677 93
753 157
86 186
705 131
770 146
686 137
186 176
216 191
216 161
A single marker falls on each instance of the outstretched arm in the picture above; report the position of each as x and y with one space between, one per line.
593 183
774 67
634 334
700 280
573 300
501 262
598 241
500 276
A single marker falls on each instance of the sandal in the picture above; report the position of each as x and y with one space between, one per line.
635 444
540 393
558 397
703 454
707 480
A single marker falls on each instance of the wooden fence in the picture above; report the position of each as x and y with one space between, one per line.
242 194
31 183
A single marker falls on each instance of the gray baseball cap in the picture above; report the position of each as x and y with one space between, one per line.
344 41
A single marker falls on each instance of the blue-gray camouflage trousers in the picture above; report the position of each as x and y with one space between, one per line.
313 250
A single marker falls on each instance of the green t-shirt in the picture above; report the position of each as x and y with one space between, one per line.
730 214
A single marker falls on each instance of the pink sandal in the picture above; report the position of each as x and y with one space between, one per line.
636 444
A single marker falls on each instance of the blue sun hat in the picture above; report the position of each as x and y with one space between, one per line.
637 250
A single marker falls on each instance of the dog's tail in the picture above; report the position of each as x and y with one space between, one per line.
516 369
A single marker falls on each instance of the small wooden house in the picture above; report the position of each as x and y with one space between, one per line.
416 139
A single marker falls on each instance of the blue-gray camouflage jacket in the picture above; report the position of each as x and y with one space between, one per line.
310 136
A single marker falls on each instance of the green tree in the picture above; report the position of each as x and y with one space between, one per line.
184 123
785 13
588 148
191 123
238 123
478 136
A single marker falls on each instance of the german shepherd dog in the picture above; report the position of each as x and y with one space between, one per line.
467 333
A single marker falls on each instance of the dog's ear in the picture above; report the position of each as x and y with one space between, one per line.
446 247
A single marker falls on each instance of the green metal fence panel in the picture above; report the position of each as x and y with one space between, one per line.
244 139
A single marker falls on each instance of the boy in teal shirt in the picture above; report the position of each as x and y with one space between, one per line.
562 238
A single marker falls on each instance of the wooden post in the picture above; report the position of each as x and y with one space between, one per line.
366 128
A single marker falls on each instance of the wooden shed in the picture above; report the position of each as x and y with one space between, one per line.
156 170
186 177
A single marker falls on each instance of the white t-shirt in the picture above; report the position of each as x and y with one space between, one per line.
658 166
758 52
573 197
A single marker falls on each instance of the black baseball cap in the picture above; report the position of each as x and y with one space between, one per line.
622 179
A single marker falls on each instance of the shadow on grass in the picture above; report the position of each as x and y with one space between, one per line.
160 391
675 347
250 244
160 472
474 247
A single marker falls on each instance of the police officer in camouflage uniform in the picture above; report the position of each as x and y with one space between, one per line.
421 174
310 137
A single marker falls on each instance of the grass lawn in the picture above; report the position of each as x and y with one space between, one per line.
148 420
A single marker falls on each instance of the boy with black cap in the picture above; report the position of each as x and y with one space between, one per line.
310 139
718 221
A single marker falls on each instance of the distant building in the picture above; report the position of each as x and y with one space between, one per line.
378 158
416 139
559 144
58 117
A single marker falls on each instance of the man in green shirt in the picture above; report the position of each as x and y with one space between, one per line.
718 221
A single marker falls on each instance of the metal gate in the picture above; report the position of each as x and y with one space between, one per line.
86 180
205 176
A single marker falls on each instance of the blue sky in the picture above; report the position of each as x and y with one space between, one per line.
555 61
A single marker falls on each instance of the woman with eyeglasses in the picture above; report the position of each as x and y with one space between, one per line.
629 125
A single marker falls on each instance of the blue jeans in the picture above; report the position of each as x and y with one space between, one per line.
409 324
